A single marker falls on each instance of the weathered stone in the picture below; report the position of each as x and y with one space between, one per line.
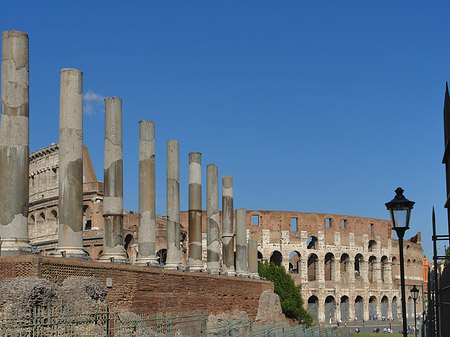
195 211
212 219
241 242
227 226
269 309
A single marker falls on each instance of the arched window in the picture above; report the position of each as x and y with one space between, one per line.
359 308
313 267
161 256
345 268
373 306
312 243
276 258
394 307
344 306
358 264
384 307
295 262
313 307
260 257
372 246
384 264
330 305
329 267
372 262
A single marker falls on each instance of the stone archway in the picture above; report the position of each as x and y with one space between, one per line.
330 306
384 307
276 258
345 308
313 266
373 307
295 262
359 308
394 307
313 307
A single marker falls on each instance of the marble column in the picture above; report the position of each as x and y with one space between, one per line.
113 184
173 205
195 211
147 201
212 219
252 257
14 144
241 242
227 226
70 200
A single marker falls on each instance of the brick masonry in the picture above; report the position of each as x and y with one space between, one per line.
144 289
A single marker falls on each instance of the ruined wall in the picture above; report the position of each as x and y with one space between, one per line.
145 289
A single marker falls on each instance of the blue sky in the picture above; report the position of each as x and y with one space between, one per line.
323 106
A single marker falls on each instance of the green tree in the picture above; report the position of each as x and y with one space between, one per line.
290 294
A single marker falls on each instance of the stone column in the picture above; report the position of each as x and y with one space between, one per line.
147 206
173 205
113 184
252 257
195 211
70 202
227 226
212 219
241 242
14 144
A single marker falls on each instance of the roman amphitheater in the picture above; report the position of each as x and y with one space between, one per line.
347 266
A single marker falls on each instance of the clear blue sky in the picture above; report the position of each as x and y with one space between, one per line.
321 106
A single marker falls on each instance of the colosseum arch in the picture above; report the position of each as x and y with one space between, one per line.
344 306
87 217
31 225
372 246
384 307
295 262
371 271
410 307
359 308
260 257
129 240
276 258
313 307
161 256
330 305
329 267
345 268
384 265
359 259
313 267
394 307
52 222
312 243
395 268
372 306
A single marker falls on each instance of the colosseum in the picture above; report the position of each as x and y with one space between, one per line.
347 266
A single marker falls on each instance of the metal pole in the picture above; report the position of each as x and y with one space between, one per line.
435 260
415 329
401 233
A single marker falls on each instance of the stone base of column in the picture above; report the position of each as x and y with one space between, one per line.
151 261
214 268
173 265
229 271
118 254
15 246
70 252
195 264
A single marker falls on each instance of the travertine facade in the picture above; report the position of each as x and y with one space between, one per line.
348 266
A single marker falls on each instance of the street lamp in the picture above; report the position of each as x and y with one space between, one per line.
415 296
400 211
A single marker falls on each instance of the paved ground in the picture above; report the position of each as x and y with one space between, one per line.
370 325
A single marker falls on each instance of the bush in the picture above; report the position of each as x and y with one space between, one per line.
290 294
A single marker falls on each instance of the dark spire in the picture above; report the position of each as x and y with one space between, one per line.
446 114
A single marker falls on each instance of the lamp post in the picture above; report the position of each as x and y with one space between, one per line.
400 211
415 296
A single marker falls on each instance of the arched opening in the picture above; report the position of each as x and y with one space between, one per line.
295 262
359 308
344 306
372 246
384 265
329 267
313 307
394 307
372 307
260 257
52 222
128 240
384 307
372 262
345 268
276 258
161 256
410 307
31 226
313 266
358 265
395 268
312 243
87 217
330 305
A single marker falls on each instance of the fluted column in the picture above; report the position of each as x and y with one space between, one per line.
195 211
70 200
227 226
212 218
241 242
14 144
147 206
113 184
252 247
173 205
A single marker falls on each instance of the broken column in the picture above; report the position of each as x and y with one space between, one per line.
113 249
212 219
70 202
147 206
252 248
195 211
173 205
227 226
241 242
14 144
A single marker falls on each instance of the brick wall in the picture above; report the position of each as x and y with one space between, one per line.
143 289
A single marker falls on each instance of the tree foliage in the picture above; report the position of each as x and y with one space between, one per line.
290 294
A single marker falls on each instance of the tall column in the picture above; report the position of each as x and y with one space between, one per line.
195 211
14 144
212 218
252 257
113 184
241 242
70 202
147 206
173 205
227 226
